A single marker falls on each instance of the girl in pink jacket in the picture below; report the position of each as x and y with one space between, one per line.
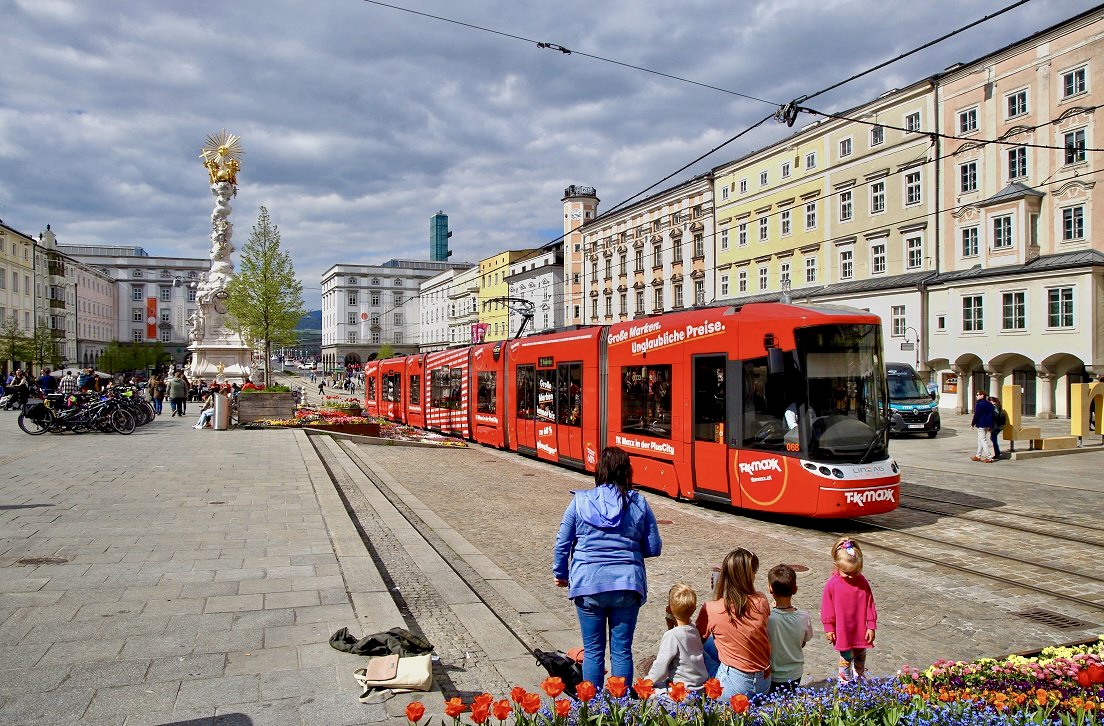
847 610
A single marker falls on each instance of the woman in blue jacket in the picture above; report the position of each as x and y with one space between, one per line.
604 537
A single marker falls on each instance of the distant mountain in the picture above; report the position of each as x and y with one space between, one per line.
311 321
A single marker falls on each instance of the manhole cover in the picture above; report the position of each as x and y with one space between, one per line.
28 561
1054 620
799 568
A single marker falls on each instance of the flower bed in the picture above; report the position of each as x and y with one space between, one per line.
1062 686
340 421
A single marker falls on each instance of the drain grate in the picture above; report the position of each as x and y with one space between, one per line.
1054 620
216 502
29 561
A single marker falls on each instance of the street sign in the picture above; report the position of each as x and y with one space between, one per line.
908 346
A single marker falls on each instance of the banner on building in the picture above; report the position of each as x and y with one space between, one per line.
151 318
479 332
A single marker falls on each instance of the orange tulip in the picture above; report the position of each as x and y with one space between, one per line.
414 711
483 699
553 686
713 689
1041 697
563 708
454 707
480 712
677 692
502 710
616 686
531 703
644 688
517 693
586 691
739 703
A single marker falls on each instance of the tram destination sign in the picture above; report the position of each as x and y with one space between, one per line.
546 361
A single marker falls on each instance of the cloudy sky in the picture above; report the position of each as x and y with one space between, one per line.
360 121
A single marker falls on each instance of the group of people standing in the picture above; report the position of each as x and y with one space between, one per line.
989 421
20 384
738 637
179 391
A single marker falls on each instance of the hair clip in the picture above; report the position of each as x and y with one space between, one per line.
847 546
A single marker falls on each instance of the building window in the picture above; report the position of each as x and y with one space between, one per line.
762 229
762 178
609 268
786 170
352 298
877 135
594 270
743 186
624 308
640 260
810 270
1016 103
971 314
398 319
137 273
1017 163
914 253
845 147
136 293
699 245
624 264
1060 307
136 336
676 218
657 298
136 315
970 242
375 338
724 286
912 121
657 256
375 299
940 322
191 295
1013 311
967 121
398 338
878 259
639 302
724 192
678 296
166 315
1073 224
810 160
845 207
1075 146
399 282
847 264
352 281
967 177
786 225
877 197
399 298
166 336
897 316
676 251
1073 82
724 240
1002 232
912 188
742 234
375 320
810 215
763 277
352 318
593 310
741 281
609 306
784 273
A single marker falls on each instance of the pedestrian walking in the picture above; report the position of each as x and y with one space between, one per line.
21 388
46 382
604 537
67 386
1000 418
157 394
178 394
322 387
847 610
983 424
187 387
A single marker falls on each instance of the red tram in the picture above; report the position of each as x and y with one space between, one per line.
767 406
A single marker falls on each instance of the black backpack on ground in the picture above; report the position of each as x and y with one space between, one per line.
557 663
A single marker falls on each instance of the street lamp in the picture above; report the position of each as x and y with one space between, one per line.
913 345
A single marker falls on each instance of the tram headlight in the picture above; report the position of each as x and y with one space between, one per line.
893 465
838 473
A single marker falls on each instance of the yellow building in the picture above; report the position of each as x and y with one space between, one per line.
493 286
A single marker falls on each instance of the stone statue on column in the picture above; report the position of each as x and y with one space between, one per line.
218 352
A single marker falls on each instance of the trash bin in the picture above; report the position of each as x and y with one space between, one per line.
221 419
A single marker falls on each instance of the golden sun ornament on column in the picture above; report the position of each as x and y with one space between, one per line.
221 154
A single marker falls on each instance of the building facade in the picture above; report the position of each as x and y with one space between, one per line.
494 312
17 302
438 238
538 279
463 307
433 333
95 312
367 306
580 206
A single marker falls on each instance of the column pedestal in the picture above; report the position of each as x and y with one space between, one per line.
1044 383
962 406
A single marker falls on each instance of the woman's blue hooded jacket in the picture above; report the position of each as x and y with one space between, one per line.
605 542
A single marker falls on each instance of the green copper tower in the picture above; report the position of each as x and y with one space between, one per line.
438 237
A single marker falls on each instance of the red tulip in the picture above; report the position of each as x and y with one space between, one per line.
484 699
739 703
1096 672
531 703
586 691
414 711
616 686
644 688
677 692
517 693
502 710
1084 678
480 712
713 689
454 707
563 708
553 686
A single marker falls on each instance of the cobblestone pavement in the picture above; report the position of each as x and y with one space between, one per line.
510 507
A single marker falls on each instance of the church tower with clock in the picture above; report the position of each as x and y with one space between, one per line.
580 208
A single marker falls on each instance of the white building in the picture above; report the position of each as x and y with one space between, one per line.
434 332
540 280
95 314
463 306
367 306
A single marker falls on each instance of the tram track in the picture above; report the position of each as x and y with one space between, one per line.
990 515
1065 521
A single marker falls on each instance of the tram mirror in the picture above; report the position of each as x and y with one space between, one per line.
776 364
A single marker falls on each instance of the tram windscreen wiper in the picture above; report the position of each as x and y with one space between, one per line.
874 439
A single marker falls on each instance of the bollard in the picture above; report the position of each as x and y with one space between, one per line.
221 420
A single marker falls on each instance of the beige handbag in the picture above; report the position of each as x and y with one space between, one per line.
395 674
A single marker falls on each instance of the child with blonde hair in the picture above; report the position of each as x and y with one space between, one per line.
680 657
847 610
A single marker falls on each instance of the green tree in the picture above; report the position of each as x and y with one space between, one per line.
13 342
266 300
43 347
385 351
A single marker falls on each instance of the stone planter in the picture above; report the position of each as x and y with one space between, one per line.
362 429
260 406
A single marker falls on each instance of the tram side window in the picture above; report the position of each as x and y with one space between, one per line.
546 395
526 392
456 389
391 387
486 401
371 388
646 400
709 398
440 389
415 390
569 394
767 400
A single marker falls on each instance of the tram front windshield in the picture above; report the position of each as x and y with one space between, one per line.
845 403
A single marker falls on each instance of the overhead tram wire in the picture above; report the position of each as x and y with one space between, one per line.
569 51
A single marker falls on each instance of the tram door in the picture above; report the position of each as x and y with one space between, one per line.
710 452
